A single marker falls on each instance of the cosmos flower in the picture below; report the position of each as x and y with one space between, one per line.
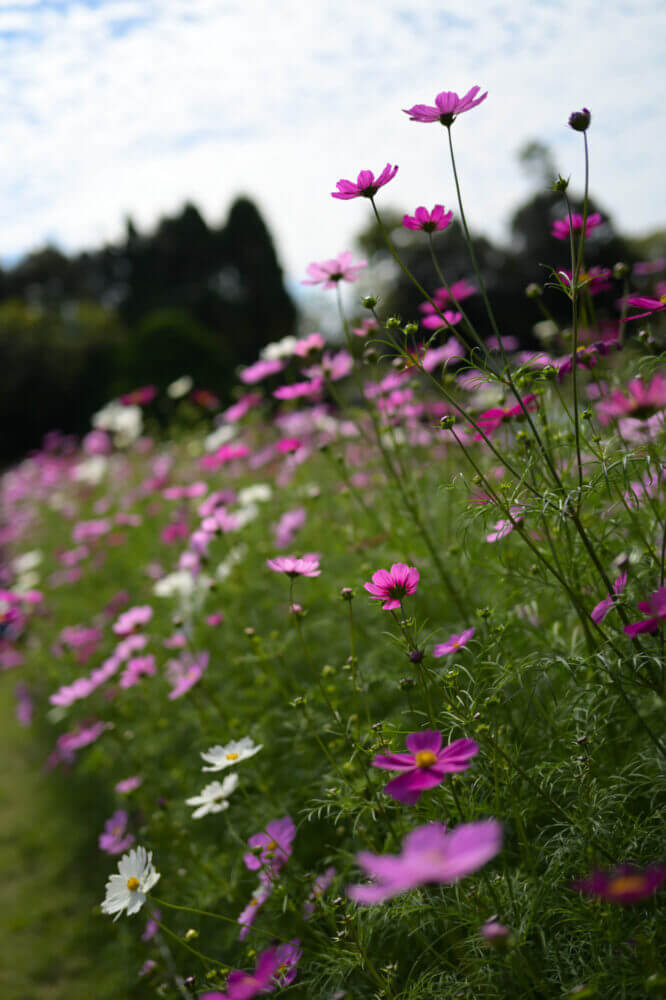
127 890
245 985
132 619
220 757
624 884
655 606
214 797
453 643
293 566
448 105
429 854
115 839
561 227
271 848
650 306
392 585
366 186
330 272
426 765
600 610
128 785
428 222
490 420
641 401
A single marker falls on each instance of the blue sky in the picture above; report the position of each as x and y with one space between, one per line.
117 107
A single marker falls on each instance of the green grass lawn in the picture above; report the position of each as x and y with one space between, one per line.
54 945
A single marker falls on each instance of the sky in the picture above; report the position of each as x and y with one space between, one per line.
110 108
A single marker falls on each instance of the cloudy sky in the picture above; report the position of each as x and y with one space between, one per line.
117 107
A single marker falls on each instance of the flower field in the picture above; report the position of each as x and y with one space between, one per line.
364 673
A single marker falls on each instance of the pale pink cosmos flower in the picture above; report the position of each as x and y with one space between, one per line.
392 585
132 619
600 611
319 887
241 408
426 765
298 390
313 342
429 854
128 785
260 370
505 526
115 838
561 227
136 668
332 366
185 673
448 105
453 643
293 566
289 524
366 186
428 222
331 272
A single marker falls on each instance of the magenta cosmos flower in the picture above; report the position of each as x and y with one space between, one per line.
600 610
453 643
426 765
655 606
641 402
244 985
447 107
429 854
428 222
366 186
649 305
330 272
624 884
307 565
392 585
271 849
490 420
561 227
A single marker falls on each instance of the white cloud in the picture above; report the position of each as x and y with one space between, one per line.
119 107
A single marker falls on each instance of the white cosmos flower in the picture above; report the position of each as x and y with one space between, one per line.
232 753
127 891
181 387
257 493
213 798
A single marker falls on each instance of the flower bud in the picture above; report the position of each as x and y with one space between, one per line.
347 594
579 121
406 683
533 291
447 422
393 323
620 270
416 655
561 184
369 302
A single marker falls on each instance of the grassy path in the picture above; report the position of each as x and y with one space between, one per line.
54 945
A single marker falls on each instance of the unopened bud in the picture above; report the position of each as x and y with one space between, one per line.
620 270
579 121
533 291
561 184
369 302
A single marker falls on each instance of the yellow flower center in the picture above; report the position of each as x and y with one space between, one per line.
271 845
662 299
627 883
425 758
133 884
232 756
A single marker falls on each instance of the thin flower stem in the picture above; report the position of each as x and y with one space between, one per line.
204 958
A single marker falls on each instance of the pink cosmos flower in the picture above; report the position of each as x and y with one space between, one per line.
128 785
319 887
644 302
25 705
561 228
429 854
428 222
504 527
366 327
297 390
293 566
366 186
493 930
624 884
491 419
330 272
595 279
152 926
447 107
260 370
642 400
185 673
239 409
288 955
244 985
654 606
453 643
136 668
271 849
444 318
289 524
600 611
426 766
132 619
392 585
115 838
247 917
332 366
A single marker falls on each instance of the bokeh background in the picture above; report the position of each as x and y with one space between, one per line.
168 165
